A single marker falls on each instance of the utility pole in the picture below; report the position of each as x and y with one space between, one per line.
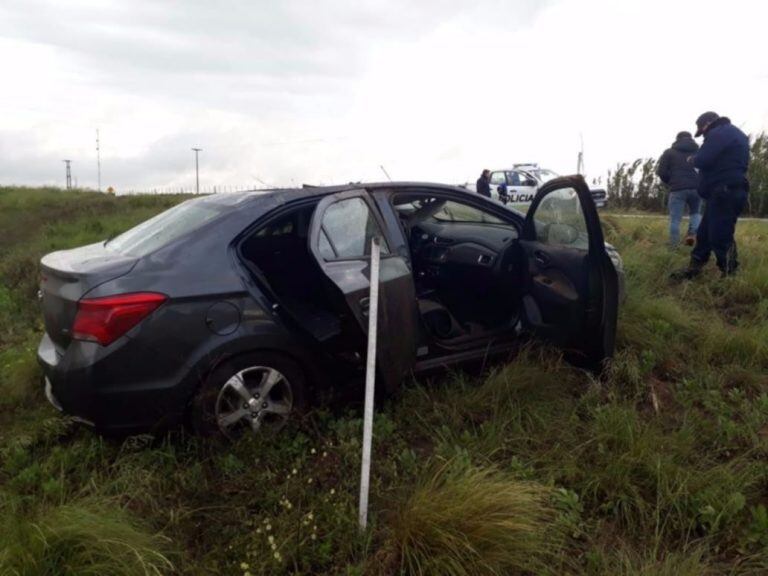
260 181
69 174
98 158
580 161
197 170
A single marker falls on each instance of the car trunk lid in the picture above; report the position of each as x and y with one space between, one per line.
67 276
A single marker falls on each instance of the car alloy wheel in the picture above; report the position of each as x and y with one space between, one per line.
253 393
258 398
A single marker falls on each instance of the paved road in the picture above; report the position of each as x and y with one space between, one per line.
664 216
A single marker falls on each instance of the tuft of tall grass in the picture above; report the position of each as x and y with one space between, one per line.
85 538
466 520
626 561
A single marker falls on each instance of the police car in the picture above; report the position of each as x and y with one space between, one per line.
518 185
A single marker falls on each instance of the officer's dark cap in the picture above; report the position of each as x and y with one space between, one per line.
704 120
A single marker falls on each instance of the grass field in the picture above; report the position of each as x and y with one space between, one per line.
533 467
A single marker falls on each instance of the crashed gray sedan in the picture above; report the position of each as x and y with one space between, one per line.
230 312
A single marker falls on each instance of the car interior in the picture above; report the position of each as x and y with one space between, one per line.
466 282
466 277
279 252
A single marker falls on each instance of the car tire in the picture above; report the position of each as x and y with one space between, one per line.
257 393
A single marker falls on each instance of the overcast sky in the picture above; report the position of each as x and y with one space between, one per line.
328 91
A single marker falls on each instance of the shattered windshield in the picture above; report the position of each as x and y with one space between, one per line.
455 212
442 210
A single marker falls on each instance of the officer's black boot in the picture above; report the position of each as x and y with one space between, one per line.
689 273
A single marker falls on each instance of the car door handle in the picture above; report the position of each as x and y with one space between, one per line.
542 259
365 305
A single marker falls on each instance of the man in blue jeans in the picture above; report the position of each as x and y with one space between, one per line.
681 178
722 161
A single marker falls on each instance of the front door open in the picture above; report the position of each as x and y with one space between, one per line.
340 240
571 287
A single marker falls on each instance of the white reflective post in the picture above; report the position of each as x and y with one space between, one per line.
370 382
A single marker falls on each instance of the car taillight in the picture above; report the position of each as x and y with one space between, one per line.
104 320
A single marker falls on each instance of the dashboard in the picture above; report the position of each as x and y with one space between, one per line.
466 244
458 253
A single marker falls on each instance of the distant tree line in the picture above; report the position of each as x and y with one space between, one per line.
634 185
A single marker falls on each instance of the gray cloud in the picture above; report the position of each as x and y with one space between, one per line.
273 64
251 41
23 160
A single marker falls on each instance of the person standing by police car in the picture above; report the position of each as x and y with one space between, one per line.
483 185
722 160
681 178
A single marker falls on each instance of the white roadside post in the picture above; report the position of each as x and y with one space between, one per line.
370 381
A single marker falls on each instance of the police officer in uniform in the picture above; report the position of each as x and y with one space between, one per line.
722 161
483 184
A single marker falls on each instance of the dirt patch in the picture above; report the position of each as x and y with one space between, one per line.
660 398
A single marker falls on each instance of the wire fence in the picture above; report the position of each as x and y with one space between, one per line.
214 189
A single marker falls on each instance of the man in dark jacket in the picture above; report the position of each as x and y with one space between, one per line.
722 161
682 180
484 184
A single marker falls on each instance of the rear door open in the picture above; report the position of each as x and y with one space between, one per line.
571 287
340 236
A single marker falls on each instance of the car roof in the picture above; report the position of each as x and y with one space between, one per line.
283 195
242 207
515 169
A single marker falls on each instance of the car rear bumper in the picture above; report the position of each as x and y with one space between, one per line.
91 384
50 397
55 403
